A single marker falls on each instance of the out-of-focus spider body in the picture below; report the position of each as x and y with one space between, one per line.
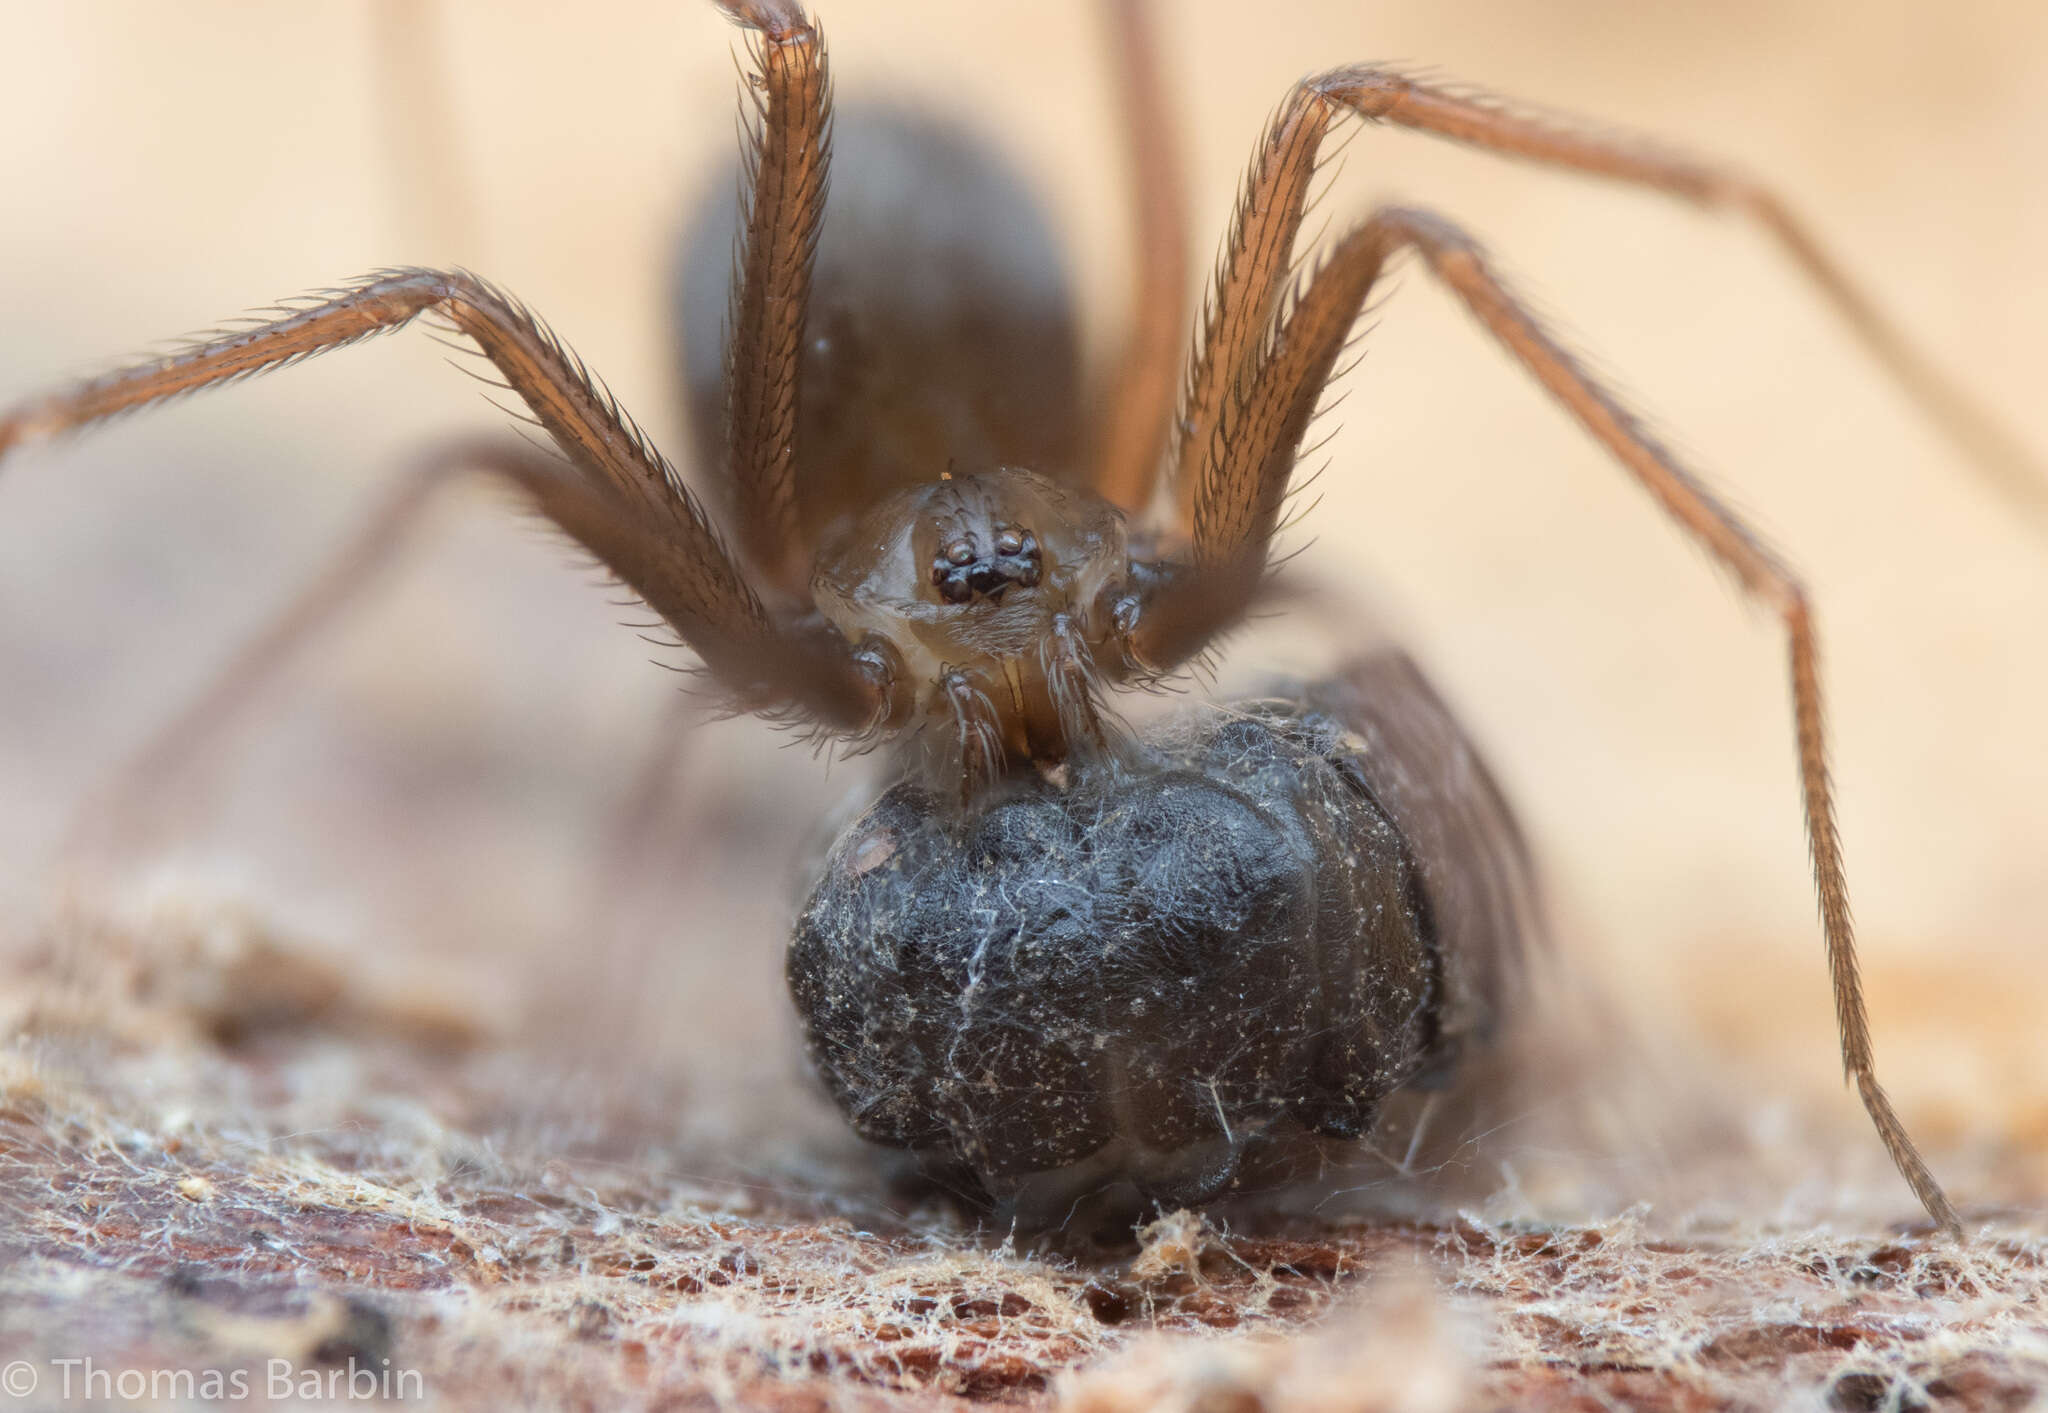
1061 956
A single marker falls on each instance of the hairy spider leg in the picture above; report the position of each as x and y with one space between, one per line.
1237 501
615 494
1258 260
787 159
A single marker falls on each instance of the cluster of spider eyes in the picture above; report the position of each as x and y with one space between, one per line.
960 572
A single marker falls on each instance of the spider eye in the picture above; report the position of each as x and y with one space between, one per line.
963 572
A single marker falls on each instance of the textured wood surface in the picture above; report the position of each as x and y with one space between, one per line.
222 1152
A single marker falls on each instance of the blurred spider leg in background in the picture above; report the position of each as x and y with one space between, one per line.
650 838
170 778
1256 268
1132 427
131 808
432 201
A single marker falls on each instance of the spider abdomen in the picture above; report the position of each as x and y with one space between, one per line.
1141 978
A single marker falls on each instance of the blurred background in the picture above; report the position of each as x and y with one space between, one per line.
437 780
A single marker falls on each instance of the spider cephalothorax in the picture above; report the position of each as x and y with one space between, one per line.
992 598
1054 956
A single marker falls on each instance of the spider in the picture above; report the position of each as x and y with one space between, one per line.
940 544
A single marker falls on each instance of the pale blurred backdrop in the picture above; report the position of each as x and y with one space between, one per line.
437 776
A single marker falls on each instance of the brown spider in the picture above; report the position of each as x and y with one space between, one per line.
898 574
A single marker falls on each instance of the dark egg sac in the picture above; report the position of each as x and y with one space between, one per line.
1136 979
